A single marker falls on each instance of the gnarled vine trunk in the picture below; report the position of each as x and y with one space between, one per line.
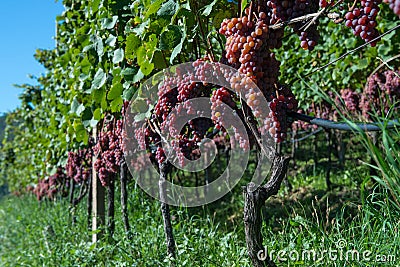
254 200
164 169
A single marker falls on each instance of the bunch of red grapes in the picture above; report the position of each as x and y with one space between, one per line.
248 49
362 19
109 152
53 185
79 165
394 5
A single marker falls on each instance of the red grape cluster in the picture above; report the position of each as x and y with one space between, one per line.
362 20
109 152
381 93
394 5
249 40
276 123
160 155
79 165
282 11
219 114
50 187
174 93
351 100
166 102
248 49
219 96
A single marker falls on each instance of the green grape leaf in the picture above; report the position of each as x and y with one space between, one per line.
244 4
83 77
151 44
128 94
111 40
98 95
147 67
208 8
140 105
168 9
90 123
140 29
97 114
115 91
80 110
116 72
98 45
86 115
140 117
384 50
80 131
141 55
109 23
129 73
99 79
363 63
138 77
170 38
153 8
116 104
95 5
76 107
85 65
132 44
175 52
118 56
179 47
159 61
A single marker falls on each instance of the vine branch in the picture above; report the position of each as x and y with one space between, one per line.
301 19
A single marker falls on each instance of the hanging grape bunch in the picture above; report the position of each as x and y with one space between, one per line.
174 99
394 5
282 11
362 20
79 165
51 186
248 49
381 94
108 151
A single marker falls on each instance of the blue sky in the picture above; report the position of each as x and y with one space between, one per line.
26 25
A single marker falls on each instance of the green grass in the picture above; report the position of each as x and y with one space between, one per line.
33 234
26 241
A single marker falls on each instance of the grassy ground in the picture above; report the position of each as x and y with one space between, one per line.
305 221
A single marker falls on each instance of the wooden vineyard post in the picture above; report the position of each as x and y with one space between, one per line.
124 197
98 202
